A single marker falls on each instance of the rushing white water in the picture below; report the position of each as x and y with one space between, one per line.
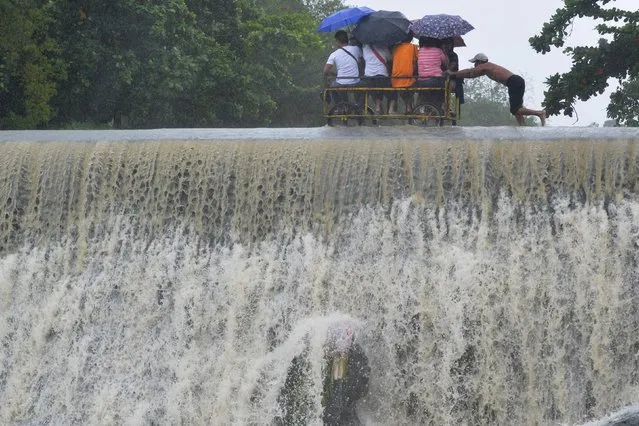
174 282
628 416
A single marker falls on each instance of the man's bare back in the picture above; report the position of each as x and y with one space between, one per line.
516 85
492 71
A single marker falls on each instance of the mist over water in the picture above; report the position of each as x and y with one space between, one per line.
489 282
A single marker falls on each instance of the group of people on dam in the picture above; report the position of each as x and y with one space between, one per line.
415 61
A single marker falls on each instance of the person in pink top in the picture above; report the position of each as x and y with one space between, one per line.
432 61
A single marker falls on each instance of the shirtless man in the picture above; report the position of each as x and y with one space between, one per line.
516 85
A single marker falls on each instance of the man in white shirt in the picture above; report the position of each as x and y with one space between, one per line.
377 59
345 63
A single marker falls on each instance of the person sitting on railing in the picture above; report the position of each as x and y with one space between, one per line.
431 63
377 62
345 61
516 86
403 75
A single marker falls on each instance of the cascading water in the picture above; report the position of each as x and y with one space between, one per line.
173 278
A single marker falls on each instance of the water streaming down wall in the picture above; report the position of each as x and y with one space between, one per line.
173 279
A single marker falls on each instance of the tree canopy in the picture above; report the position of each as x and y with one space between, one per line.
29 64
175 63
615 56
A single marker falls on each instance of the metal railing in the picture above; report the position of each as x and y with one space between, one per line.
446 112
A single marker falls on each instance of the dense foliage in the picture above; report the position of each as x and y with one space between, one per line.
175 63
30 66
615 56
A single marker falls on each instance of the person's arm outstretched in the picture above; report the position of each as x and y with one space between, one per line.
478 71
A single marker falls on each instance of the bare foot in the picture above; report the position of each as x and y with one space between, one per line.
542 117
392 112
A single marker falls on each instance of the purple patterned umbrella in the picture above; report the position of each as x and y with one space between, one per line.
440 26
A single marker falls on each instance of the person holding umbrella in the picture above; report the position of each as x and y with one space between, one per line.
377 31
377 62
431 63
345 62
516 86
403 72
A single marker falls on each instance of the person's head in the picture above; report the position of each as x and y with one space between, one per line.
341 37
448 44
479 59
340 338
409 37
429 42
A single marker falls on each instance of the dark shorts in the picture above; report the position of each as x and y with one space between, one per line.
516 87
337 97
436 97
379 81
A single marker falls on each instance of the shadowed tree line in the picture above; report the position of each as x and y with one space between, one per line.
175 63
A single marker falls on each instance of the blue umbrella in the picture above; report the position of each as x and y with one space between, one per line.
440 26
342 18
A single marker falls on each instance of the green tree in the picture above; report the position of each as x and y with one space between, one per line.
322 8
145 61
615 56
286 61
29 66
624 105
486 104
286 52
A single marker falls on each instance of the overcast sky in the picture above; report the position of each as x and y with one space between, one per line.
502 30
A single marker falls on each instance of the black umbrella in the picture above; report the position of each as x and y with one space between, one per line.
382 27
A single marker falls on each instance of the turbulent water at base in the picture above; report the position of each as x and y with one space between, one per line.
154 281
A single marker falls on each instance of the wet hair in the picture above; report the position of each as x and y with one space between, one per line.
429 42
341 36
449 43
354 42
409 37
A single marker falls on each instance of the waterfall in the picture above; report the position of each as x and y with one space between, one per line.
173 276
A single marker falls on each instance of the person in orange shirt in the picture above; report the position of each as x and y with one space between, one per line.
403 72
